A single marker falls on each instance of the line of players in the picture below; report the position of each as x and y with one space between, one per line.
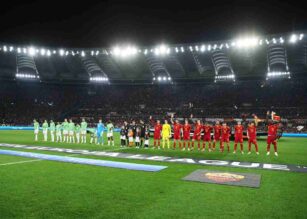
221 135
70 132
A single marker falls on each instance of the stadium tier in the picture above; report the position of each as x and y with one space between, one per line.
256 58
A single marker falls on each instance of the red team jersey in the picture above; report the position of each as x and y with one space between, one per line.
177 130
272 133
225 133
207 132
186 131
252 133
157 132
238 133
217 132
197 131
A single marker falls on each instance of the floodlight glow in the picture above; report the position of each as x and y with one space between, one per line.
125 51
278 74
18 50
43 52
221 46
182 49
191 48
26 76
247 42
66 53
224 78
293 38
11 48
54 52
161 50
25 50
82 53
274 40
4 48
97 53
227 46
169 78
61 52
196 48
209 47
281 40
154 78
164 78
202 48
99 79
32 51
267 41
159 78
176 49
145 52
48 53
301 36
214 46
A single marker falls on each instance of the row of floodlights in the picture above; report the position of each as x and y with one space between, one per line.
128 51
159 78
278 74
29 76
99 79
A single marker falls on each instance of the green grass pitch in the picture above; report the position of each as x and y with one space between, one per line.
47 189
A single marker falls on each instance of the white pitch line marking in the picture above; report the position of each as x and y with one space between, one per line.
28 161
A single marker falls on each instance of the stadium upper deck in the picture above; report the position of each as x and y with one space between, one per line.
245 58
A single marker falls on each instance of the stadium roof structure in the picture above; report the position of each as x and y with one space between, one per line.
245 58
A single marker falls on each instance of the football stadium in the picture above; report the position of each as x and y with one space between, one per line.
214 128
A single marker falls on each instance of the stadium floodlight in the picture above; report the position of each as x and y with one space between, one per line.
209 47
202 48
214 46
25 51
154 78
182 49
169 78
145 52
267 41
231 77
301 36
99 79
196 48
43 52
4 48
159 78
221 46
191 48
281 40
82 53
31 51
11 48
177 50
61 52
278 74
247 42
293 38
92 53
227 46
67 53
54 52
274 40
48 52
97 53
18 50
164 78
162 50
124 52
26 76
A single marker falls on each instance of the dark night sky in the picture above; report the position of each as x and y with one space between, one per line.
103 24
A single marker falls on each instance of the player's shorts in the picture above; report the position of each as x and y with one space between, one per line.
65 132
217 137
36 131
252 140
83 132
131 139
186 137
99 134
45 132
225 139
58 133
238 139
157 136
137 139
77 133
123 137
146 142
207 137
196 137
110 134
271 139
71 132
177 137
166 137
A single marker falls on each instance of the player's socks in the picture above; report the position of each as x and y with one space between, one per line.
235 147
241 146
174 145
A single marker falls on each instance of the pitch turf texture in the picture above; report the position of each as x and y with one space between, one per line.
47 189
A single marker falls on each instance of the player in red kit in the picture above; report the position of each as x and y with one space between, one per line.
186 128
177 129
252 137
197 133
225 132
238 137
157 134
272 136
217 133
207 136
